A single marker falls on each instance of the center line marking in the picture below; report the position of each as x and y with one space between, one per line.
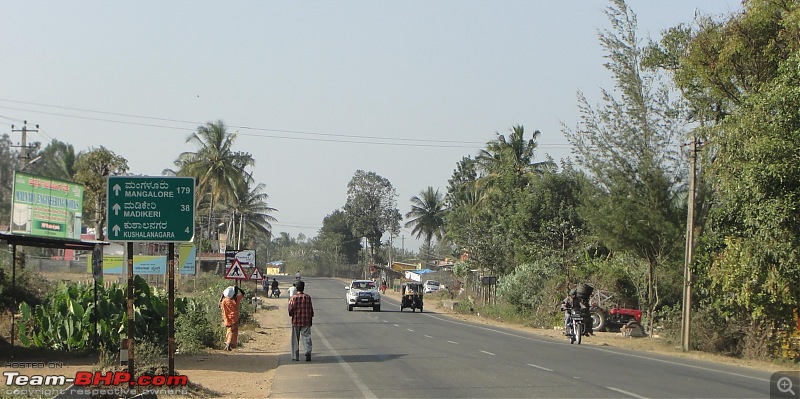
488 353
428 336
409 329
626 392
539 367
396 325
453 342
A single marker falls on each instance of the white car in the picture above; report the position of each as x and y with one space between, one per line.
363 294
431 286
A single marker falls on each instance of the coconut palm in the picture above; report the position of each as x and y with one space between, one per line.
250 212
216 166
513 154
427 212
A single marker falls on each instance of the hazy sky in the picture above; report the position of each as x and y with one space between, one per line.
315 89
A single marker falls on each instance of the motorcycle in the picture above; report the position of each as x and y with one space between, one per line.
575 326
276 293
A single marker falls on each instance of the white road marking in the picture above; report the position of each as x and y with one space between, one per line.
396 325
675 363
409 329
591 347
350 372
453 342
539 367
428 336
488 353
626 393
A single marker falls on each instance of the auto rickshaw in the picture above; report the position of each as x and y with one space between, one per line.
412 296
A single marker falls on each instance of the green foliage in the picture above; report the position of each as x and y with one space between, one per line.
196 329
66 319
371 207
92 170
427 215
8 163
337 236
58 160
27 288
529 286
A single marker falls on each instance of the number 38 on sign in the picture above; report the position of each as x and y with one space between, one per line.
150 208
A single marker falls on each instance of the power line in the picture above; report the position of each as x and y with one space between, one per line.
232 126
340 138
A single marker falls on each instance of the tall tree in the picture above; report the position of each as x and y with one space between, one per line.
219 169
747 66
92 170
757 196
8 163
249 214
371 207
628 147
56 160
427 215
338 235
511 157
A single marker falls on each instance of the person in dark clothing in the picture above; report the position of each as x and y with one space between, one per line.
302 312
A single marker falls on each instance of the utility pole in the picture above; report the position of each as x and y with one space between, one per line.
23 147
404 245
688 279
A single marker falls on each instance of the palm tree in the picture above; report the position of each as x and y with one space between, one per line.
515 154
250 212
216 166
427 210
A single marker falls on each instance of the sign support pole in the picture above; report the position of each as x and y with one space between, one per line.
171 307
131 324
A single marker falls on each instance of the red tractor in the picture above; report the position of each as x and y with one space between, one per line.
629 321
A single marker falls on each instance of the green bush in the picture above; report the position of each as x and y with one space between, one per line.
194 329
66 319
526 287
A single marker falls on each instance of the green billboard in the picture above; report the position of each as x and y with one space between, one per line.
42 206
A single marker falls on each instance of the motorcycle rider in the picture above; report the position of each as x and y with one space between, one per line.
274 286
566 306
582 305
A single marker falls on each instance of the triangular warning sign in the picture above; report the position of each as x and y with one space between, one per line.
235 272
257 275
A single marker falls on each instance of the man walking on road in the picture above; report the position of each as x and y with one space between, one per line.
302 311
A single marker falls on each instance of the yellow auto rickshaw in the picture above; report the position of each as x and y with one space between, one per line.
412 296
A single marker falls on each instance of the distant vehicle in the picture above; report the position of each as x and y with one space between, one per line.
363 294
411 293
431 286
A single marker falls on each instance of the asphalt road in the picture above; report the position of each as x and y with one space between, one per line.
393 354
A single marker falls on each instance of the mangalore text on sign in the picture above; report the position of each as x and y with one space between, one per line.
150 208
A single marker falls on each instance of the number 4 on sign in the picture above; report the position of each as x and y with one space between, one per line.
235 272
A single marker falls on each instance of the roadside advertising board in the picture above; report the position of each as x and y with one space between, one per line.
46 207
148 264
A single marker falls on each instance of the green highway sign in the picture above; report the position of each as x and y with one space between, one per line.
150 208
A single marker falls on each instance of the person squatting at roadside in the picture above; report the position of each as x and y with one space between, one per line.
229 303
302 312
